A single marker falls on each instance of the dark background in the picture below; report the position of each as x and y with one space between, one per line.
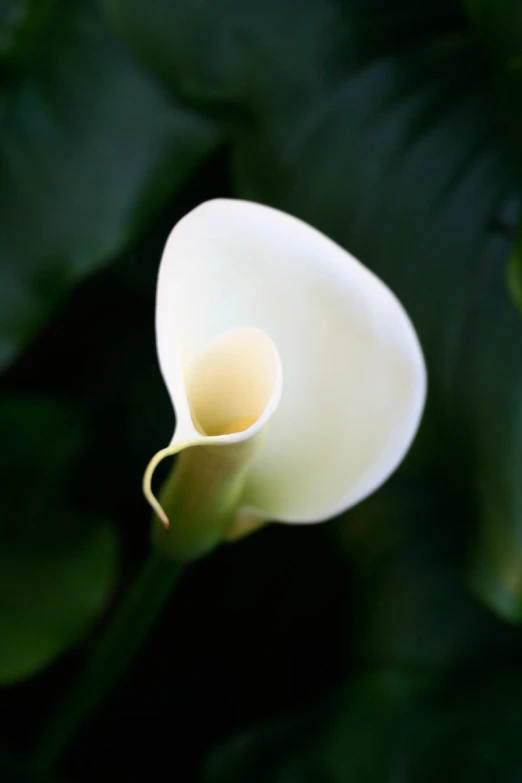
383 646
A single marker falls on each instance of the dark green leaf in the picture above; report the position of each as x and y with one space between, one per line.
21 23
387 726
491 400
90 146
14 770
514 271
406 545
230 53
57 567
367 732
499 25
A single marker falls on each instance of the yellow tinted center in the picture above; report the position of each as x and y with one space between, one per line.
232 381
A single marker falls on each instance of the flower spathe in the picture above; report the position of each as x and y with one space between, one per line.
268 331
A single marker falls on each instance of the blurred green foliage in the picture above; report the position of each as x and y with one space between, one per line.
90 146
384 646
57 566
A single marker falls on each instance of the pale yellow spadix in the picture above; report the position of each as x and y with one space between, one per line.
272 336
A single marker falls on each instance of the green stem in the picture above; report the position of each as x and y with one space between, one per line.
116 649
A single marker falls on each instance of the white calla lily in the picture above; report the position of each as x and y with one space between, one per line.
271 334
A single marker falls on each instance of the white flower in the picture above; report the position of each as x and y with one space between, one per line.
267 328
